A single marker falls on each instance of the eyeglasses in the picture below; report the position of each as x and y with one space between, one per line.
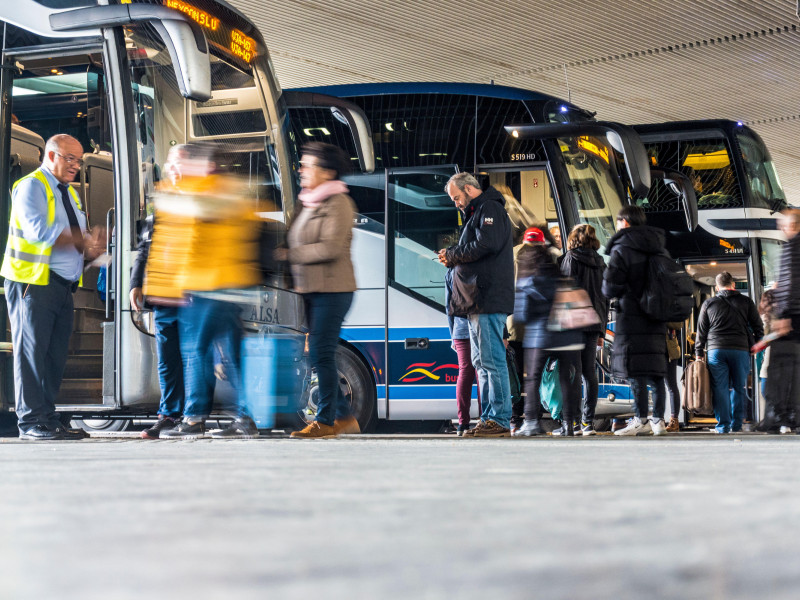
70 160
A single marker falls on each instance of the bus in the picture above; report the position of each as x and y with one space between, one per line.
130 79
550 159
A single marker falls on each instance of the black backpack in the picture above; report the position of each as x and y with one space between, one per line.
668 290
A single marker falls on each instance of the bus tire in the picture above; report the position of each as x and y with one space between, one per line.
101 425
358 388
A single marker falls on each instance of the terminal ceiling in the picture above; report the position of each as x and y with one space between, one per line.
632 61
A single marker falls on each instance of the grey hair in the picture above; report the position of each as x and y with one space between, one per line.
460 180
54 143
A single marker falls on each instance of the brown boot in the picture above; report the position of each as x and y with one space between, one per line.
673 426
346 426
315 431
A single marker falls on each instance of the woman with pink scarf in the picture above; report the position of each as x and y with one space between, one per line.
319 254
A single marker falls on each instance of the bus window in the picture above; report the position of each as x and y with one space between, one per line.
494 145
770 262
762 178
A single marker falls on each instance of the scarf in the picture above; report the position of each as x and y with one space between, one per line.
313 198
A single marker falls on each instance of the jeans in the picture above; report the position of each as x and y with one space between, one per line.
639 389
201 323
535 361
466 377
41 325
489 359
672 387
325 313
588 368
728 370
170 365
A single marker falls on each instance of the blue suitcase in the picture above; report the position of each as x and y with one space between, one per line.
273 371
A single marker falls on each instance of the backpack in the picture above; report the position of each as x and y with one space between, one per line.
668 290
697 398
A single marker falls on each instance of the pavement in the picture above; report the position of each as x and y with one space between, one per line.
683 516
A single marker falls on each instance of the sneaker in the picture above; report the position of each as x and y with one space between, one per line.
587 429
491 429
636 427
673 426
185 431
40 433
68 433
658 427
461 429
618 424
347 426
243 428
717 431
315 431
566 430
529 429
785 429
471 432
163 424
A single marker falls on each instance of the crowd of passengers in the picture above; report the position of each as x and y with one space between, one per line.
202 242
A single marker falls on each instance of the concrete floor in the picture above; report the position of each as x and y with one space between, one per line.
689 516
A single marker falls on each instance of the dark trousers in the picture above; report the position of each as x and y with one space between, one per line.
588 369
519 363
672 387
782 388
170 364
201 323
640 396
535 360
41 325
325 313
466 377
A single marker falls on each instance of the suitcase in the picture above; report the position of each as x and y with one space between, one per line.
273 371
697 399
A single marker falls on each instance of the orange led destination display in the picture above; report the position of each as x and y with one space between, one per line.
222 35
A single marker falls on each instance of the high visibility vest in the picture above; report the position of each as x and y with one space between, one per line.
25 261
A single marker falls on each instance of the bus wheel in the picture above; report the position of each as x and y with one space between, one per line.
101 425
358 388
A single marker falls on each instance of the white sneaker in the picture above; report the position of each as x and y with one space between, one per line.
658 427
636 427
786 429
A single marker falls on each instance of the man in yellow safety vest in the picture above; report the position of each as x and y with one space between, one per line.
43 263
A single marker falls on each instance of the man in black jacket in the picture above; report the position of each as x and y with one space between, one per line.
727 327
639 353
483 292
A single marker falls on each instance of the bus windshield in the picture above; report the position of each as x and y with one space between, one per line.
762 178
594 183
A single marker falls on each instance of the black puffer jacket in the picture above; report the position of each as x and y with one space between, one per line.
640 343
586 267
724 323
483 277
787 288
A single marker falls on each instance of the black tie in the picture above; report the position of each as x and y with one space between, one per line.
73 220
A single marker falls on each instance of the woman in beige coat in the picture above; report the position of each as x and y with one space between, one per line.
319 254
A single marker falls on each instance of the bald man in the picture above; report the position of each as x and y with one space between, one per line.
42 266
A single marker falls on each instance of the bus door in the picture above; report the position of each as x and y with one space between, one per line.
421 367
65 92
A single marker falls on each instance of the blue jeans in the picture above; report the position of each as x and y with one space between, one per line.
728 370
170 365
489 359
203 322
325 313
41 325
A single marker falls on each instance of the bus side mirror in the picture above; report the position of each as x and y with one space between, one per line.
345 112
185 41
680 185
620 137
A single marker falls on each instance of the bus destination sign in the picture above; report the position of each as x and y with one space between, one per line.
222 35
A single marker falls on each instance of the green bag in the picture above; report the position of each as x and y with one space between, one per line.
550 389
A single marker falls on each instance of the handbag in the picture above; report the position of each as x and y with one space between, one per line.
550 389
572 309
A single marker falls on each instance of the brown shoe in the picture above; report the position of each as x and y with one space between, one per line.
315 431
491 429
673 426
471 432
346 426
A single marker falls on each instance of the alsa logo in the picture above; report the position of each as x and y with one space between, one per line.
421 371
488 220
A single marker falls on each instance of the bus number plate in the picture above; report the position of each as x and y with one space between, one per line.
521 156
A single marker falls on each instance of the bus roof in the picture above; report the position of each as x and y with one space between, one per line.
431 87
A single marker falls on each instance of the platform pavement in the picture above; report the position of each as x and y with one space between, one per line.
401 517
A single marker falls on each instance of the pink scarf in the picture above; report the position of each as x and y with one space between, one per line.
313 198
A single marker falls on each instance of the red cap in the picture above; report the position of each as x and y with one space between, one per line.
533 235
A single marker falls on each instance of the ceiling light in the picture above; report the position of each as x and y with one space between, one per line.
389 127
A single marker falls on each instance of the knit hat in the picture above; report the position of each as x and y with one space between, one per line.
533 235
